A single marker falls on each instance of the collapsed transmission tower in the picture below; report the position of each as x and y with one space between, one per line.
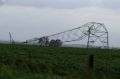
93 31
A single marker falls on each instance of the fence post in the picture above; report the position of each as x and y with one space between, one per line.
90 66
90 62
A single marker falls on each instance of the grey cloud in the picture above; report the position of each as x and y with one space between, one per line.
1 2
52 3
67 4
112 4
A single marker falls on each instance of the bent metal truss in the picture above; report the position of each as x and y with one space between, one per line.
93 31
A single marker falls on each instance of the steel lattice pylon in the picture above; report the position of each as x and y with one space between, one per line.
95 32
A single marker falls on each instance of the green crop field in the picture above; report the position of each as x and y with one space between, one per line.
35 62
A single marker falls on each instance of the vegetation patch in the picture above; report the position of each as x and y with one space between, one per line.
35 62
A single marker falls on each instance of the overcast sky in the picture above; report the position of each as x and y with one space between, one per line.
26 19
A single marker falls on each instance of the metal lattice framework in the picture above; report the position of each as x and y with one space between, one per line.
95 32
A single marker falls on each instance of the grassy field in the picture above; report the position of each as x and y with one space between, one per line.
34 62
